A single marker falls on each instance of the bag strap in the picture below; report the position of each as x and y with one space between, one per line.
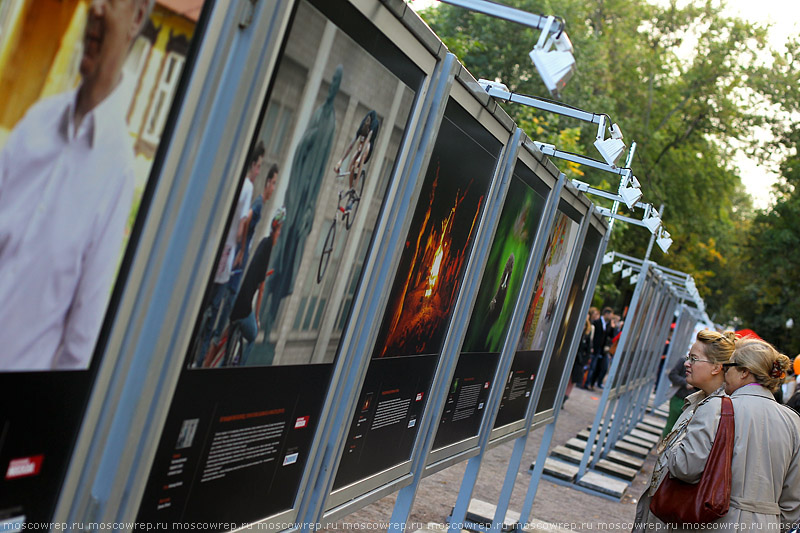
727 407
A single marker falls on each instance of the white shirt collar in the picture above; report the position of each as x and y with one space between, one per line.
102 121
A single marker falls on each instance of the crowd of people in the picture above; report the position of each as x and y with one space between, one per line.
597 345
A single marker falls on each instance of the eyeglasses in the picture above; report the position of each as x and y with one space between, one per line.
726 366
691 359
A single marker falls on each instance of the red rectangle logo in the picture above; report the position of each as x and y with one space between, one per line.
301 422
24 466
419 396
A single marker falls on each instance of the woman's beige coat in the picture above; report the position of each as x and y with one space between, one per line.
765 492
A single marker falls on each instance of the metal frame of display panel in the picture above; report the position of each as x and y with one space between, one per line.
622 392
599 223
549 430
681 339
580 203
110 488
630 407
640 357
474 276
328 503
609 392
76 501
344 400
155 174
527 154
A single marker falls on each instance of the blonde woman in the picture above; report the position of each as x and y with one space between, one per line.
765 491
684 450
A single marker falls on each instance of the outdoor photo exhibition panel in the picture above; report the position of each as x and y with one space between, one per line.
637 311
633 344
573 318
278 301
86 120
421 301
494 306
526 376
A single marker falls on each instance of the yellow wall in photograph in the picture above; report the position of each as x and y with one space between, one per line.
30 52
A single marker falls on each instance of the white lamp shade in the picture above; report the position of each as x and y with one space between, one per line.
555 68
616 267
634 279
664 242
627 272
608 257
653 222
630 195
610 149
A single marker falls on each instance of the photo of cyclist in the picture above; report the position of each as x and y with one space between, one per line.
361 148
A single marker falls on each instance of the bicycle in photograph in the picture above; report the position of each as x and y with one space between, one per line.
346 209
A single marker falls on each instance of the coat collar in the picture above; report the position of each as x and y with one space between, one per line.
752 390
696 398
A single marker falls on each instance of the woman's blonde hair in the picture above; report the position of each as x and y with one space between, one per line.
718 347
767 365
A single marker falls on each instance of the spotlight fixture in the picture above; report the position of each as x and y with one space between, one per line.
612 148
630 195
608 257
553 59
616 267
664 240
652 220
627 272
634 279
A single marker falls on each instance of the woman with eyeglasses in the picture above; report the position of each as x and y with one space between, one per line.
683 451
765 488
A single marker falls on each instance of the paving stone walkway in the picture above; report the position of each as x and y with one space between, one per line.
555 505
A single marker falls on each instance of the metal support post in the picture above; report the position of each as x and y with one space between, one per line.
325 463
458 326
611 374
465 492
519 445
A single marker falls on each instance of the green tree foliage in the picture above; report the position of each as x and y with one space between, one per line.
769 259
675 77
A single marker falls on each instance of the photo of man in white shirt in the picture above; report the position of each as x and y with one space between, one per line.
66 186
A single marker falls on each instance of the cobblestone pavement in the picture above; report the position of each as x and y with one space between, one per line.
556 504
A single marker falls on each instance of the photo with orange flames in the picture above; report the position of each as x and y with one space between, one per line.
438 243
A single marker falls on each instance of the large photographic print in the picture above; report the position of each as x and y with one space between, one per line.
84 96
491 315
285 272
538 319
86 92
422 298
571 320
314 184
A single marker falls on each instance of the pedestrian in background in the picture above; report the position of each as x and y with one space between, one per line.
677 376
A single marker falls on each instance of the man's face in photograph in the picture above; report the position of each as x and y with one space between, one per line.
111 27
